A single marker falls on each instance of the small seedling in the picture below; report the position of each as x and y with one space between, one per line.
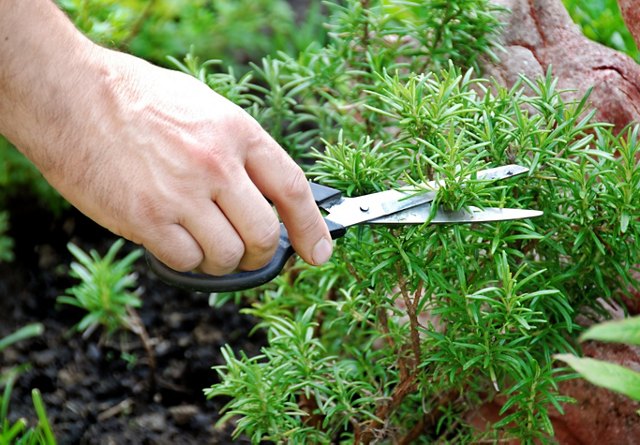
105 293
104 290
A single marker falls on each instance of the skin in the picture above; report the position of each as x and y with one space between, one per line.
151 154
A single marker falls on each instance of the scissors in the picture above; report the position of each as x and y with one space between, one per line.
390 207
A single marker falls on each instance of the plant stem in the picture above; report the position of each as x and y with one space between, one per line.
137 327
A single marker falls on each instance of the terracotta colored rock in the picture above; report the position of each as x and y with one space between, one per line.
600 416
631 13
540 33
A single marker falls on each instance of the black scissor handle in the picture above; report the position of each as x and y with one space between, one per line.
237 280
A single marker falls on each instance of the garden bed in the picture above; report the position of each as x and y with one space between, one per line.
92 393
498 318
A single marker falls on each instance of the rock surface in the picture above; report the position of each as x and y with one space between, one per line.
540 34
630 10
600 416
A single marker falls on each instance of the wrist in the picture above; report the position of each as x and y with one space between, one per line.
45 67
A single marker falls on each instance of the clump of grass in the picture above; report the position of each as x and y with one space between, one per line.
19 432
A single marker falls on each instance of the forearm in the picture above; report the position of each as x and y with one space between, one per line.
154 155
45 70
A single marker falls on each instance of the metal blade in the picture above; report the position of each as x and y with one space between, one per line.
420 215
490 174
351 211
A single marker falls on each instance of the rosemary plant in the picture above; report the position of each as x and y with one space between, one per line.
409 329
104 290
105 293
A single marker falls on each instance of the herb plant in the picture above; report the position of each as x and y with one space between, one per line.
19 432
104 290
105 293
408 330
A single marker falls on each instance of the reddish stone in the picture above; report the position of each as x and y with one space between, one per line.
540 34
631 13
600 416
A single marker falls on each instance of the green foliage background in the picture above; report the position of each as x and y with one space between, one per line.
600 20
408 329
231 30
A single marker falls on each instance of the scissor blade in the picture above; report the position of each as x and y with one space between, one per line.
351 211
421 214
490 174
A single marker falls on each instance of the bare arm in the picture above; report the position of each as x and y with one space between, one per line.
151 154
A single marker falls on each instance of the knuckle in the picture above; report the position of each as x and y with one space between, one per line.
187 259
234 122
213 160
296 188
266 242
309 224
224 154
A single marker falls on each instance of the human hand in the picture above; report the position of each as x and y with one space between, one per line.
159 158
172 165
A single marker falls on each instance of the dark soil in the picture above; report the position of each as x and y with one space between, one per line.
92 394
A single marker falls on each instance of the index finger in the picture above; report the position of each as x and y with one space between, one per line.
281 180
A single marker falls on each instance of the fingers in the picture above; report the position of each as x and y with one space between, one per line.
201 239
284 183
175 247
218 243
253 220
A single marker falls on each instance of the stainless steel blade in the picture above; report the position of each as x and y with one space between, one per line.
490 174
351 211
420 215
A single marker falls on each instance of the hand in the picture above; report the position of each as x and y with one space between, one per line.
159 158
181 170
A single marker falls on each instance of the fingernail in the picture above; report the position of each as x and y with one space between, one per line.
322 252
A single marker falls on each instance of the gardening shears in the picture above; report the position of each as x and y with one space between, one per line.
390 207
